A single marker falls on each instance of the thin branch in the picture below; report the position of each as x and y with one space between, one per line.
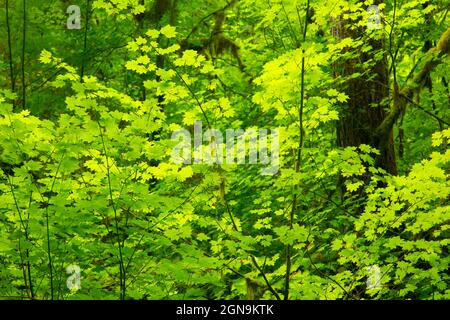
121 265
86 27
298 158
50 264
25 229
11 69
23 54
431 114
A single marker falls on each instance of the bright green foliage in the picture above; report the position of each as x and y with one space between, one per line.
86 176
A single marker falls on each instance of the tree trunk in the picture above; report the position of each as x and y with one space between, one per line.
365 109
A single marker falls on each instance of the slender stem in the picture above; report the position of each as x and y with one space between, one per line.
439 119
195 97
269 286
24 32
49 254
86 26
291 29
121 261
11 69
25 231
27 255
298 160
22 264
393 57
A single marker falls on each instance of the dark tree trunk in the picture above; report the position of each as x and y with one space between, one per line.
365 108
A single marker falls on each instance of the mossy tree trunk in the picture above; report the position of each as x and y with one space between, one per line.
366 107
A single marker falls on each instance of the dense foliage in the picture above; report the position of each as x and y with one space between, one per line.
357 208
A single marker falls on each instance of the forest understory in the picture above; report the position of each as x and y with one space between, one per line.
224 150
